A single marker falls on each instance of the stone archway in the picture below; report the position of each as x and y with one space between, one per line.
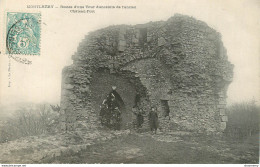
101 85
179 65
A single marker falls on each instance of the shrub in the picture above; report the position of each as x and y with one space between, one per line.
28 122
243 120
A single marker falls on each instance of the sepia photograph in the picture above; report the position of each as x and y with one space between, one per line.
129 82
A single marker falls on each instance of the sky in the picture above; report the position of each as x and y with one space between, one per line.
61 32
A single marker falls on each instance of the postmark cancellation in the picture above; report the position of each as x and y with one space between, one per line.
23 33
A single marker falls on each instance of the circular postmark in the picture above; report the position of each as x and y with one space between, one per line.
22 37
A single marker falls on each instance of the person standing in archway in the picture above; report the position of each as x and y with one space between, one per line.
119 101
140 118
105 114
153 120
115 106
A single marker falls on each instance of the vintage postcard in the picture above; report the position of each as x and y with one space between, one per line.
129 82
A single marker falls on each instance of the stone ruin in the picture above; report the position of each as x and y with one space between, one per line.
179 65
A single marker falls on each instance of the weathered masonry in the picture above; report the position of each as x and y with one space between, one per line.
179 65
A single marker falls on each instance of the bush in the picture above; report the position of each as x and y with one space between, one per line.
28 122
243 120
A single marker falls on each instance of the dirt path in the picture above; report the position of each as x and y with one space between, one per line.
146 148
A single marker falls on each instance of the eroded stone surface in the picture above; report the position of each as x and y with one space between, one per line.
180 64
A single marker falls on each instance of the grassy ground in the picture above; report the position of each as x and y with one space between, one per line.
166 148
33 149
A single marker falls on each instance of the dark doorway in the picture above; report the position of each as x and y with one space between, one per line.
165 108
111 110
101 86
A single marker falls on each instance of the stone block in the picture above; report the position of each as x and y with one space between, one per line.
222 102
68 86
68 80
224 118
135 40
84 89
62 118
223 125
63 126
221 106
149 38
161 41
122 33
121 45
165 97
222 112
63 93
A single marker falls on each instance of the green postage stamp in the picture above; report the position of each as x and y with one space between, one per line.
23 33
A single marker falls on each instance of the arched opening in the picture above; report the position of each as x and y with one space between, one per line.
126 91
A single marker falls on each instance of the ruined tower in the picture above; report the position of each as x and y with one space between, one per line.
179 65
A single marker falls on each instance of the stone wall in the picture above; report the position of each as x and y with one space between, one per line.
180 64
